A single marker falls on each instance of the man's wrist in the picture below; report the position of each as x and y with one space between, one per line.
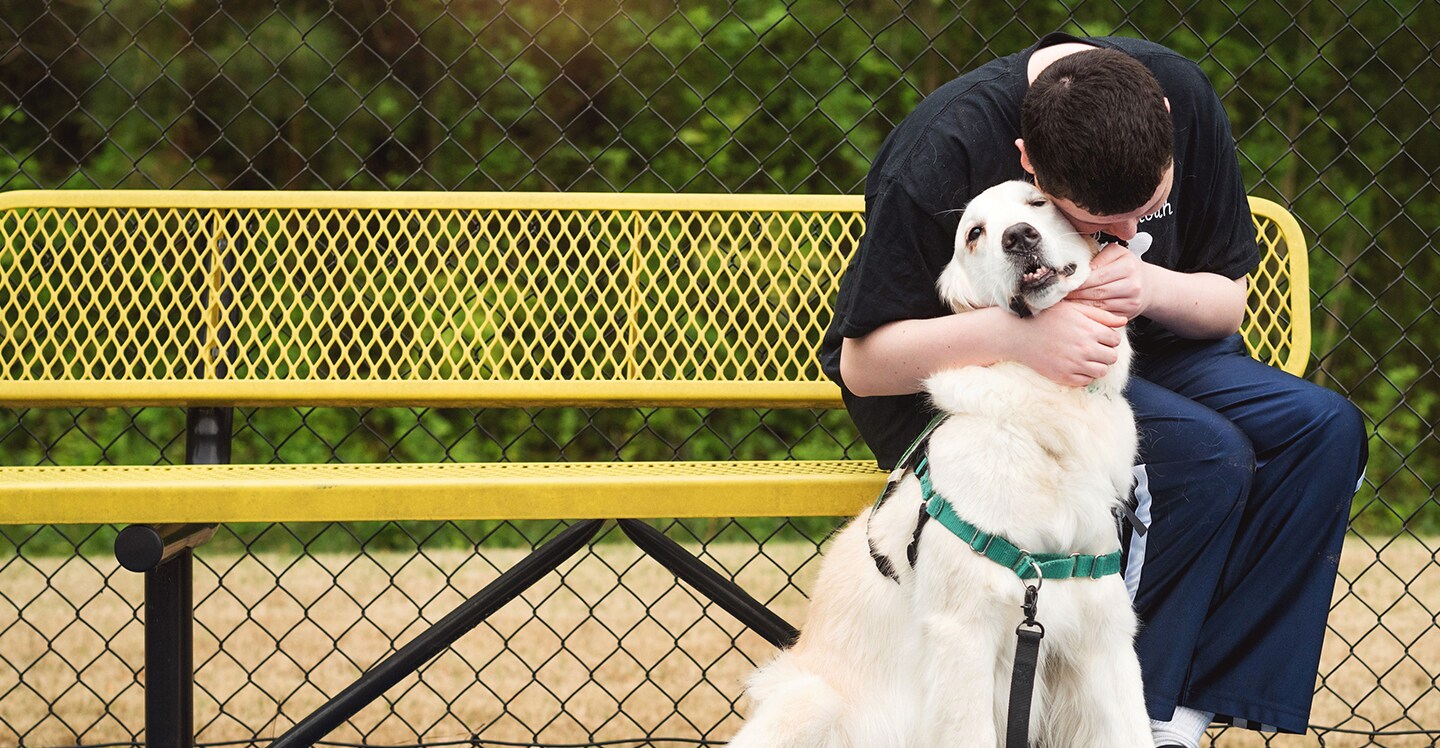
1153 280
1009 333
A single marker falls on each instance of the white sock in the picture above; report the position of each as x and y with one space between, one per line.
1185 728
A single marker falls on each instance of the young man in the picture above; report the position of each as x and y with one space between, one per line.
1246 473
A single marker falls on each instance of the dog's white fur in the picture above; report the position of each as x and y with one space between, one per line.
927 662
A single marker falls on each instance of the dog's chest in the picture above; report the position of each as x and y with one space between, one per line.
1043 466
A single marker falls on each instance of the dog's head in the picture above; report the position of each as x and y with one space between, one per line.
1014 249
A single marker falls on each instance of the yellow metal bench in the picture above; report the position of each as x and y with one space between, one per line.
134 298
211 300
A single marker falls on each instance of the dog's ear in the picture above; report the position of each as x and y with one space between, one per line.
956 289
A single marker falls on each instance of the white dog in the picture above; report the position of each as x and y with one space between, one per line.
920 656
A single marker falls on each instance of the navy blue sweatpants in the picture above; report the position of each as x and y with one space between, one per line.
1245 479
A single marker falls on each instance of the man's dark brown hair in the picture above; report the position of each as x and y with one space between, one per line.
1097 131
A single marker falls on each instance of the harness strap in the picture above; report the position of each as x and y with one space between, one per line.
882 562
1126 513
915 450
1007 554
913 550
1021 562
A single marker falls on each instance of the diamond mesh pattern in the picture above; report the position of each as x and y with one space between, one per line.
1277 319
368 290
1332 105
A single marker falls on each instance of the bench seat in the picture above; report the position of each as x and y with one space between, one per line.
435 491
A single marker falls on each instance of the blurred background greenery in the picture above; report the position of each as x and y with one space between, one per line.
1334 105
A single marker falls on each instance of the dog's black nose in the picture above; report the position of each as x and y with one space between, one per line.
1022 237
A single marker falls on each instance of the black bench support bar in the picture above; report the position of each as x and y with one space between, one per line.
142 548
440 636
710 583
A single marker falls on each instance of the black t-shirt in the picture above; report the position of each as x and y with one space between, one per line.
960 141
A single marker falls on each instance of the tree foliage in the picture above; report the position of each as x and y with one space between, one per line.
1334 106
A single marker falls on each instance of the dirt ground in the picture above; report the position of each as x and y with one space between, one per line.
611 649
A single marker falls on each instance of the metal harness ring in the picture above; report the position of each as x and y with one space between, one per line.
1039 575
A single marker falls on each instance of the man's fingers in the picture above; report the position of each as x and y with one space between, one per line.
1103 316
1088 292
1102 275
1105 266
1093 371
1108 254
1095 278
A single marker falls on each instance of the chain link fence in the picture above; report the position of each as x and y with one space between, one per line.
1334 105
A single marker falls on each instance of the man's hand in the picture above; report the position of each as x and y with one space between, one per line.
1070 343
1118 283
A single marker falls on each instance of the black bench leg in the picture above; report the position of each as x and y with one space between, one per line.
440 636
169 654
164 555
710 583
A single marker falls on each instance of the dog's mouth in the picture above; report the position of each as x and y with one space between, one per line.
1036 277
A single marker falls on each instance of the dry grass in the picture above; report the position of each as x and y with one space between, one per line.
582 654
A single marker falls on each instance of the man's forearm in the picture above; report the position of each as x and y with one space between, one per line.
897 358
1195 305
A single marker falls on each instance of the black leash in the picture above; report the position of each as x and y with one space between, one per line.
1022 679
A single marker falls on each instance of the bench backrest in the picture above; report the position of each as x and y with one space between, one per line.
140 297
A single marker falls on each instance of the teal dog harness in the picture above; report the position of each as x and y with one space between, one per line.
1025 564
